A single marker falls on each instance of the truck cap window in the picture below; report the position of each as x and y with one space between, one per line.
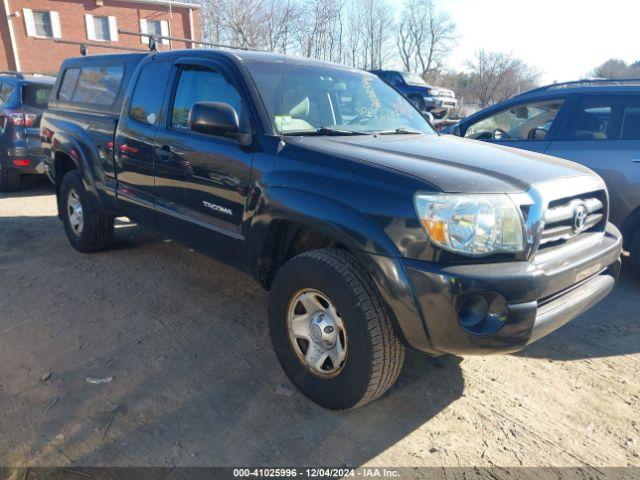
303 99
149 92
92 85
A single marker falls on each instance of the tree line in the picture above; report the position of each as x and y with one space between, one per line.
367 34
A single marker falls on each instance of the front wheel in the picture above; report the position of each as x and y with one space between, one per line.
331 332
88 229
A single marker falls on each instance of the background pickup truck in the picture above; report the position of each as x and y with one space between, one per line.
372 232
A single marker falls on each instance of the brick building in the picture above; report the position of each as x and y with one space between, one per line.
28 26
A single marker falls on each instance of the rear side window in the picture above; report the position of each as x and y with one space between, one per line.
591 120
148 94
6 89
605 117
36 96
91 85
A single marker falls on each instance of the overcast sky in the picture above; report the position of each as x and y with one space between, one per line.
563 38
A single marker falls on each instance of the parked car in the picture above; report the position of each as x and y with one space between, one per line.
371 231
593 122
22 101
438 101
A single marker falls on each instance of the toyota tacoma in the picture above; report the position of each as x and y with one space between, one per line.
372 232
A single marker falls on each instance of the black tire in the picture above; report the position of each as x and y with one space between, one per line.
97 230
635 255
374 354
9 180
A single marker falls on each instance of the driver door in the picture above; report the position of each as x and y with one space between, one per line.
528 126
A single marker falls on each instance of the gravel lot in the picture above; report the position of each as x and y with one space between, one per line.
194 381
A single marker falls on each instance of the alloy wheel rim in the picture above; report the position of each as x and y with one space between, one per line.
317 333
74 212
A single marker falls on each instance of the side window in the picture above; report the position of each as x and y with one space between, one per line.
631 122
201 85
36 96
6 89
148 94
530 121
98 85
69 82
593 119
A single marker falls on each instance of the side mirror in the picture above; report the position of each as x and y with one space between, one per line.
214 118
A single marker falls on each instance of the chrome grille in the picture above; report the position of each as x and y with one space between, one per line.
567 218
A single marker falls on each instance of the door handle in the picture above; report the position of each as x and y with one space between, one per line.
166 153
636 160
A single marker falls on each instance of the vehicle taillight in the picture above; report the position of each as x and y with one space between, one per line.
29 119
21 163
15 118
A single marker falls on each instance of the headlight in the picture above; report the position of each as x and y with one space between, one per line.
434 93
472 225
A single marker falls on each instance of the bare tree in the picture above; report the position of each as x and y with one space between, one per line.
497 76
424 36
376 31
281 18
319 29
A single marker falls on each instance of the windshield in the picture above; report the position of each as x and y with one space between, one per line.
413 78
304 99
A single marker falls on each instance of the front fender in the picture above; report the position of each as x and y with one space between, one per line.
356 232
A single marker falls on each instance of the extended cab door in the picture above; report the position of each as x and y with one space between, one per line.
135 139
201 180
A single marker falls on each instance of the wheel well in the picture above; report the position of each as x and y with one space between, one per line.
62 164
285 240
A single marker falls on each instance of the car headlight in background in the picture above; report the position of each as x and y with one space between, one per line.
472 225
433 92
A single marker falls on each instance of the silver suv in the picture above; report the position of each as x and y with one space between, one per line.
592 122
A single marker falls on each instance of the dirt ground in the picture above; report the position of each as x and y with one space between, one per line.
195 382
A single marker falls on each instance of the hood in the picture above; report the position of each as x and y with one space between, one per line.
451 164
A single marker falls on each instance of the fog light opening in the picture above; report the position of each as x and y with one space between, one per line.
483 314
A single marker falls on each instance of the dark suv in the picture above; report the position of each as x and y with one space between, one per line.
371 231
438 101
593 122
22 101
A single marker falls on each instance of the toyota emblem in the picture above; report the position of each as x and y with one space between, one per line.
580 215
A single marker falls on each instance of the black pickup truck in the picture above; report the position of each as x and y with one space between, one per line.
372 232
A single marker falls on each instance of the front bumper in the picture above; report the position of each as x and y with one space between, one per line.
440 103
540 296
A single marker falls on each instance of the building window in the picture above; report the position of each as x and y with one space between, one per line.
155 27
101 28
42 24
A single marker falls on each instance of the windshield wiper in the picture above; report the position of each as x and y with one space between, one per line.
326 131
398 131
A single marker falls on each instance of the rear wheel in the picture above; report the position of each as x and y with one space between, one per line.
9 180
88 229
330 331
